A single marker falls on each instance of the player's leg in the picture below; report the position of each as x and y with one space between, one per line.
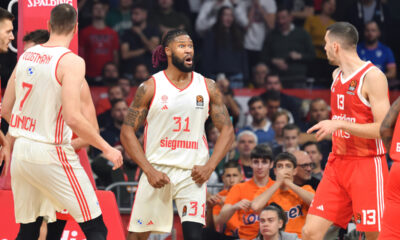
30 231
331 203
192 231
94 229
55 229
138 235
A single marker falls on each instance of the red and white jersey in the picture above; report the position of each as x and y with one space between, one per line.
37 111
174 129
348 104
395 147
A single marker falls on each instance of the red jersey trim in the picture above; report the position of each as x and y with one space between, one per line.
49 46
359 94
175 85
58 61
154 95
208 93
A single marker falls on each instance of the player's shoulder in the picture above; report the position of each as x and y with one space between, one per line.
71 58
335 73
374 74
146 89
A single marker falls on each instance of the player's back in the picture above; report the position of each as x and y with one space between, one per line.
37 112
348 104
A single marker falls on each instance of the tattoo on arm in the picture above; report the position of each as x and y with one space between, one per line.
388 124
218 111
137 113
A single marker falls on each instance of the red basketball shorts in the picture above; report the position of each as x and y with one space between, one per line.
352 186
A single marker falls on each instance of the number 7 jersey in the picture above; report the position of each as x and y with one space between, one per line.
174 132
37 111
348 104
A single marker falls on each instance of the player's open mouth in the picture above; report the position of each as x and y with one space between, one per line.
188 60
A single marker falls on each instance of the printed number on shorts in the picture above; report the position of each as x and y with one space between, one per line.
178 121
29 89
340 101
193 207
369 217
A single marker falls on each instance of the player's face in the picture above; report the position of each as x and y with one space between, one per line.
261 167
182 53
231 177
246 144
313 153
330 50
279 123
258 111
270 224
6 34
319 111
291 138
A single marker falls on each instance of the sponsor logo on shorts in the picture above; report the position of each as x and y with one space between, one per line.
320 207
150 223
184 211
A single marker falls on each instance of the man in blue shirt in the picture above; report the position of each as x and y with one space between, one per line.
376 52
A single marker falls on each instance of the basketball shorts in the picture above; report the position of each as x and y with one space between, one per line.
391 223
352 186
47 178
153 210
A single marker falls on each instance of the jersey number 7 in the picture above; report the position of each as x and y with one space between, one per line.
29 87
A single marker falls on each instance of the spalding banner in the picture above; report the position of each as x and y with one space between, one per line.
34 15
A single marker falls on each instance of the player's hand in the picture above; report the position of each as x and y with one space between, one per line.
157 179
243 204
5 156
324 128
215 200
114 155
200 174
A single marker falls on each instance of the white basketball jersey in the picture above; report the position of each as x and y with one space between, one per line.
174 129
37 111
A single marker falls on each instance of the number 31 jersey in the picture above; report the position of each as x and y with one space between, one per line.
174 132
37 111
348 104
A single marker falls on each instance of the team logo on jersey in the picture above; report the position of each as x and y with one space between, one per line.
353 85
30 71
184 211
199 101
164 99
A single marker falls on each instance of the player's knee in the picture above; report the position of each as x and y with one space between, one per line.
94 229
310 233
192 231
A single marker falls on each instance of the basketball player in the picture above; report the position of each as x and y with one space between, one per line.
356 170
6 36
390 132
48 80
174 105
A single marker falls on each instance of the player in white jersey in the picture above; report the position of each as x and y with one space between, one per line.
46 173
174 105
6 36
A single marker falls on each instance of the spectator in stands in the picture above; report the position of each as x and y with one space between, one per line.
272 100
301 9
35 37
228 97
110 70
312 149
141 74
119 110
259 74
319 110
246 142
272 224
103 106
303 175
223 50
120 19
291 135
375 51
208 14
257 17
260 125
138 42
295 200
292 104
288 49
166 18
98 44
125 85
230 177
240 196
316 26
363 11
279 120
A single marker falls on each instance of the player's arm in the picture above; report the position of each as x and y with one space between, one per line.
89 112
305 195
375 89
221 120
9 98
261 200
137 114
71 72
388 124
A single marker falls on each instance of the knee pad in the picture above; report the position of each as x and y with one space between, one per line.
192 230
94 229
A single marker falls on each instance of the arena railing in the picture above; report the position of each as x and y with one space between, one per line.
125 194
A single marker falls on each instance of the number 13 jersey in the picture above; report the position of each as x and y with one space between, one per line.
174 132
37 111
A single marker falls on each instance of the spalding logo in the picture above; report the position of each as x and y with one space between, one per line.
47 3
